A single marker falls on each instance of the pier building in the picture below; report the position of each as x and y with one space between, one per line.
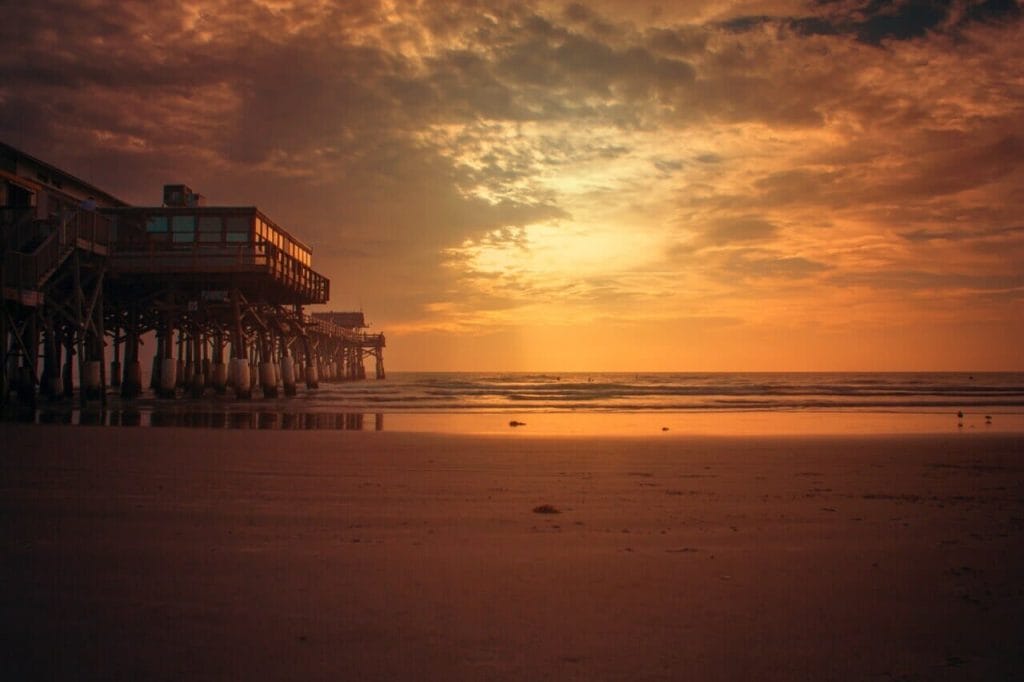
221 289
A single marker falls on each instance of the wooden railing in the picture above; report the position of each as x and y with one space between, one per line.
219 257
351 336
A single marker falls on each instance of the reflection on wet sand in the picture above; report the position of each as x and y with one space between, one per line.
252 419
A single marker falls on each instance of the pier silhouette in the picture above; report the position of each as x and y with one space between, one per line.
221 289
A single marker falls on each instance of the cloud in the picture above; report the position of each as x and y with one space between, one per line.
739 229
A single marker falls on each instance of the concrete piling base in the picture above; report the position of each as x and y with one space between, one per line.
288 375
268 380
131 385
168 378
197 384
92 382
243 383
219 373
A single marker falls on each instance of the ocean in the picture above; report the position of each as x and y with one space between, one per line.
575 402
680 391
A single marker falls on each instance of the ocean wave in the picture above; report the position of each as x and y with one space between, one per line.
678 391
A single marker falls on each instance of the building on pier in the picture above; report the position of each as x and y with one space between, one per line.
221 288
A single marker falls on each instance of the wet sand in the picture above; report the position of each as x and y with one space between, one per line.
221 554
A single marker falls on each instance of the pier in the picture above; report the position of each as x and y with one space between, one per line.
219 290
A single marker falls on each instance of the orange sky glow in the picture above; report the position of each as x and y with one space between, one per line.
557 186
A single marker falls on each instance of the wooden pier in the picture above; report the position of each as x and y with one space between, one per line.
220 290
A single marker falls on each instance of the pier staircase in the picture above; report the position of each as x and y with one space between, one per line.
34 250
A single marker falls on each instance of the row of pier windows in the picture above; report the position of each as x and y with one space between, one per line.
211 229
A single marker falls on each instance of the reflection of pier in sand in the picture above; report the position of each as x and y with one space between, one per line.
219 291
273 420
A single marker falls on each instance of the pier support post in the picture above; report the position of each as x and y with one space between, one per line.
288 373
197 382
51 384
242 380
312 379
26 376
168 377
115 364
154 371
69 359
131 385
168 365
243 383
268 377
205 365
92 379
189 368
179 365
218 369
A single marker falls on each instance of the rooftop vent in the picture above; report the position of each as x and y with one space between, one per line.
182 196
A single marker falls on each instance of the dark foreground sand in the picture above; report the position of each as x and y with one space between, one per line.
151 554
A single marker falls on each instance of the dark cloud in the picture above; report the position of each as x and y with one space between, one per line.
813 26
581 65
874 22
951 234
924 281
743 24
900 20
734 230
993 10
683 41
766 265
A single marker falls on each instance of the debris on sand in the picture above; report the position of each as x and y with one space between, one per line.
514 423
546 509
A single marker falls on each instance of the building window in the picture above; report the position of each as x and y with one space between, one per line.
210 228
156 223
183 229
239 229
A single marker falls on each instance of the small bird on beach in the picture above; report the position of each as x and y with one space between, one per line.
960 418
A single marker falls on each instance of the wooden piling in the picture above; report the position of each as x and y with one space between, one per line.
242 381
197 381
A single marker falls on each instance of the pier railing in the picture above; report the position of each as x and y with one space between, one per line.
350 336
223 258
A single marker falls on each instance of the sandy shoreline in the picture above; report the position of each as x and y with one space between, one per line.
215 554
285 416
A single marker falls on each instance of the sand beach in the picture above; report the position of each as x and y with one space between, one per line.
170 554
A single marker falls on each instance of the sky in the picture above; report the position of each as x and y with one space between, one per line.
556 186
